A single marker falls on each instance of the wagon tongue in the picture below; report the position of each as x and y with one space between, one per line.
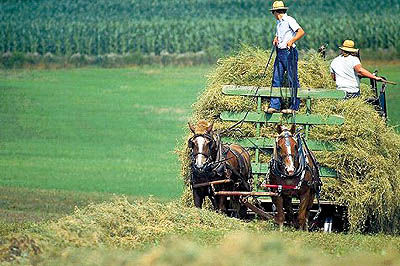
280 186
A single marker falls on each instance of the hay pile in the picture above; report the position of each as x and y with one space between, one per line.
368 153
148 232
118 224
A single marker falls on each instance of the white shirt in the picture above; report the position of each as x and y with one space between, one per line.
286 29
346 77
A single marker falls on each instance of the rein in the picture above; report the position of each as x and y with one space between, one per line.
264 74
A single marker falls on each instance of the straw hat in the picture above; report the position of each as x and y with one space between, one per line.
278 5
348 46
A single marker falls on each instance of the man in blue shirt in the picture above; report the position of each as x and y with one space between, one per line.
288 31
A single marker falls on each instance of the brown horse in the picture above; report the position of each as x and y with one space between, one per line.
293 166
211 161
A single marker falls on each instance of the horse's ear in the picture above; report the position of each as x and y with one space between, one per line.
293 129
279 129
210 127
191 127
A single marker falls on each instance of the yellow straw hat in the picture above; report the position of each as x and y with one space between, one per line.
348 46
278 5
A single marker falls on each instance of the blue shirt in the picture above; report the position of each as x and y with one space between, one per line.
286 29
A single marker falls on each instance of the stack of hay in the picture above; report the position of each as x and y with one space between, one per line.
368 151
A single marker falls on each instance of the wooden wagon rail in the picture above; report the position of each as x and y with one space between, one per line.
217 182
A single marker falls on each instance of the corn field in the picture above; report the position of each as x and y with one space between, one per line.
179 26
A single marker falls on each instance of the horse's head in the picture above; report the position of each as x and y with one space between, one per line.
287 150
202 145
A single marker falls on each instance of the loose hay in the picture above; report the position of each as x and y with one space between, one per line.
129 225
368 151
118 224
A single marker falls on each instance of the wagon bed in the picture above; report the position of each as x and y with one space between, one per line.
333 216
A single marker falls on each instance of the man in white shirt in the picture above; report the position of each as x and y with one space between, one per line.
346 70
288 31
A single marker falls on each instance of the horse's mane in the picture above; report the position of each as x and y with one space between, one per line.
201 127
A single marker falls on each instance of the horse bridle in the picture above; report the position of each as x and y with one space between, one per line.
212 145
287 144
277 159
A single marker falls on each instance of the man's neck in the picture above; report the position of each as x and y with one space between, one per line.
280 16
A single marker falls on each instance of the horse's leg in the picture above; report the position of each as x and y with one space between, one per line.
234 204
280 216
310 204
222 201
213 201
240 210
303 209
198 197
287 203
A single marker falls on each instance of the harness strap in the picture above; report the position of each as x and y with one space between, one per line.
316 178
240 160
242 164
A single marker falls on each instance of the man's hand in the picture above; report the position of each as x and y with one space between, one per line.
289 44
275 41
299 34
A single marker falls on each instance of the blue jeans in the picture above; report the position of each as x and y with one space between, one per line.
284 61
350 95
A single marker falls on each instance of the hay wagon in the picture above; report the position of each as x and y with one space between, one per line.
332 216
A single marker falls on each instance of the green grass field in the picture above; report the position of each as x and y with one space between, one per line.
95 130
391 71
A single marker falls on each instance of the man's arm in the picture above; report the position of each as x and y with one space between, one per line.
333 76
299 34
365 73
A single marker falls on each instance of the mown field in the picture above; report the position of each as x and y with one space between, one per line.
118 232
95 130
